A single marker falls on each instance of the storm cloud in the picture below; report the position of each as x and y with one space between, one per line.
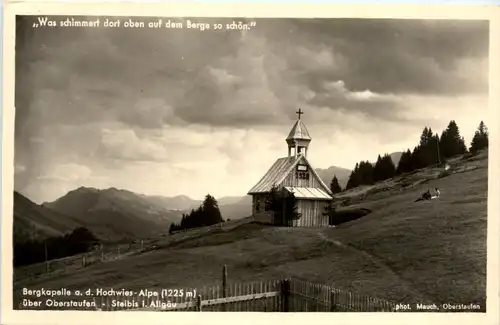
116 99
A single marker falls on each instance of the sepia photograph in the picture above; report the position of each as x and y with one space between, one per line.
236 164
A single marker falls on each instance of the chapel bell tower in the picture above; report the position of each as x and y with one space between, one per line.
298 139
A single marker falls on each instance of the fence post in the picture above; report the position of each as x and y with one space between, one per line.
333 306
96 305
198 303
285 292
47 267
224 285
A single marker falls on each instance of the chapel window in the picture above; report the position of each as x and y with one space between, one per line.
267 206
302 172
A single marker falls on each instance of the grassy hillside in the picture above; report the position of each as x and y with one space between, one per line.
403 251
436 247
32 221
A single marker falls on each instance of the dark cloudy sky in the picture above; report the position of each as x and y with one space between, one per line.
173 112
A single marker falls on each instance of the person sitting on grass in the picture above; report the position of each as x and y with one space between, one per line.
430 194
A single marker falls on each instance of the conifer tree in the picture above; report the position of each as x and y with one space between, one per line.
480 139
362 174
425 153
291 209
405 162
431 149
206 214
378 170
354 178
388 169
366 173
210 211
274 200
416 163
284 206
335 186
451 143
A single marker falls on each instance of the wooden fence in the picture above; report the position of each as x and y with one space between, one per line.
262 296
288 295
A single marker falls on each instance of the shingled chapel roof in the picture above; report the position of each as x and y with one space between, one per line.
299 138
281 168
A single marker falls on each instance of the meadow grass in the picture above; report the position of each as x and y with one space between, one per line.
404 251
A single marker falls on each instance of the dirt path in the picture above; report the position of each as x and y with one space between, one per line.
378 262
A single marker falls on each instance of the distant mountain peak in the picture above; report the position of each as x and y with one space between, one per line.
109 190
84 189
327 174
395 156
182 197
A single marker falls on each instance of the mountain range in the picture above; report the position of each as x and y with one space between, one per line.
114 214
111 214
33 221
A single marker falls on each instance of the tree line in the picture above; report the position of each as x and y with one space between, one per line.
206 214
80 240
432 149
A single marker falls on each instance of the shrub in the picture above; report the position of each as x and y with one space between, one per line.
343 216
444 173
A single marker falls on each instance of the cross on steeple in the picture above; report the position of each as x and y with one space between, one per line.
299 112
298 138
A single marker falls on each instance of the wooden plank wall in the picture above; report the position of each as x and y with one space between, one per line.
311 211
312 214
293 181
